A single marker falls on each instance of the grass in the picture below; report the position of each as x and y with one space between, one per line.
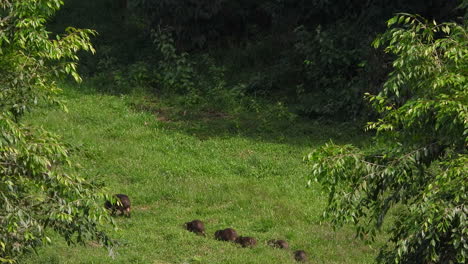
227 171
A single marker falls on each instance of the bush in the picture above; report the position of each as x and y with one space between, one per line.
419 162
199 80
36 193
30 62
334 78
175 71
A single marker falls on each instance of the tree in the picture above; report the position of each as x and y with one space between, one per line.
415 174
31 62
36 192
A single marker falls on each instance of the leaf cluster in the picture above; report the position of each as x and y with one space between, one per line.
37 193
31 62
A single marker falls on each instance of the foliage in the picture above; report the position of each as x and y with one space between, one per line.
199 80
175 71
36 193
417 169
206 23
30 61
117 78
331 84
200 86
261 36
197 24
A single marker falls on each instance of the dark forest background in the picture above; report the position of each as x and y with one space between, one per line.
315 56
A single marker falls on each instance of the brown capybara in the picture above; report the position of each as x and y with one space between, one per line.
278 243
196 226
122 205
227 234
246 241
300 255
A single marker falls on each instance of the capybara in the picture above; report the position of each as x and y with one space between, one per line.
122 204
227 234
196 226
300 255
246 241
278 243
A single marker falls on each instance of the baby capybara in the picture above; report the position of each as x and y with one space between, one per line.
122 205
246 241
196 226
278 243
227 234
300 255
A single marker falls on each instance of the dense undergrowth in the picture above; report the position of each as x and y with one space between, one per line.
314 55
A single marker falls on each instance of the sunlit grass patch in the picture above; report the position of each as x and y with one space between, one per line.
174 172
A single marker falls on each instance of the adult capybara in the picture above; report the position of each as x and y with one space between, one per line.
246 241
196 226
300 255
278 244
122 205
227 234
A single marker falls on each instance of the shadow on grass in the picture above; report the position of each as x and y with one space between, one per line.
207 123
264 126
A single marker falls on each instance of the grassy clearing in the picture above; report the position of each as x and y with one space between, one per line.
227 171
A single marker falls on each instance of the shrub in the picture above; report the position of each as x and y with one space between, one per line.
419 162
332 83
175 71
36 193
30 62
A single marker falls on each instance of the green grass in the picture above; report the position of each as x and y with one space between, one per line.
227 171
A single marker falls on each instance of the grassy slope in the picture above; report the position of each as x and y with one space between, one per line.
179 170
